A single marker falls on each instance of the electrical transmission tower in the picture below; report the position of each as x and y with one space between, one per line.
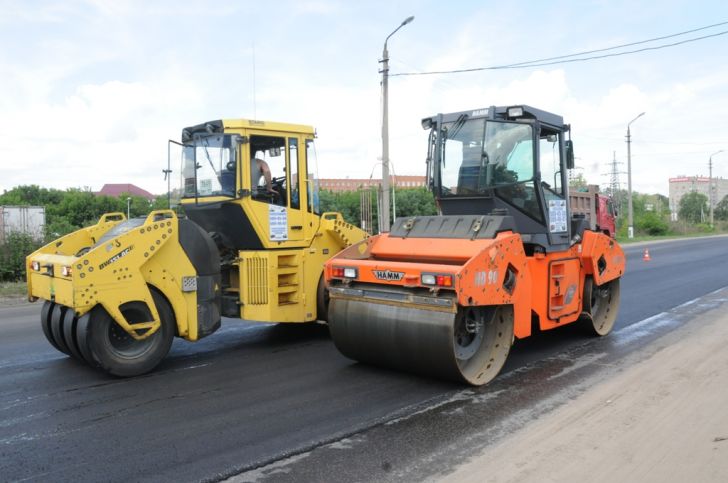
613 190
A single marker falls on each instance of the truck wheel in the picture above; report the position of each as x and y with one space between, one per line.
119 354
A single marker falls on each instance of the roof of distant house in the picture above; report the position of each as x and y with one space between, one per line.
116 190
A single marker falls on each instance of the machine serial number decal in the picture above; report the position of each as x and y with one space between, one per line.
486 277
116 257
388 275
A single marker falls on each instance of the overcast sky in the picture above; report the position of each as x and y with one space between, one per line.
91 91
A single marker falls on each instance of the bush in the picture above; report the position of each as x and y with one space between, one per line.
652 224
17 246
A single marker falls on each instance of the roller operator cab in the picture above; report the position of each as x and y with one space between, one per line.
252 245
447 295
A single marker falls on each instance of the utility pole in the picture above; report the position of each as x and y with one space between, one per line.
630 213
384 213
710 185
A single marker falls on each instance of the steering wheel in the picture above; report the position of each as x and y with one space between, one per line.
278 184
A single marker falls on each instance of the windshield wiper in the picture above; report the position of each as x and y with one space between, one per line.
207 155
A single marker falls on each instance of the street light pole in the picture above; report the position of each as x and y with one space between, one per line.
384 215
128 206
630 213
710 185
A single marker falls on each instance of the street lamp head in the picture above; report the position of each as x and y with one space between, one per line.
404 22
633 120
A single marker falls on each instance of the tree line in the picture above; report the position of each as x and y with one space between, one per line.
66 211
71 209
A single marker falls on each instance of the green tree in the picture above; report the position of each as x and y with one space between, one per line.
345 202
578 182
720 211
415 202
693 207
12 256
409 202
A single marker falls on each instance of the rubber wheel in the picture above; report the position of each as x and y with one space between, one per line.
81 334
70 321
45 323
57 314
119 354
601 304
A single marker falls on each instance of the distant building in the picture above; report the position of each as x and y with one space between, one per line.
116 190
682 185
354 184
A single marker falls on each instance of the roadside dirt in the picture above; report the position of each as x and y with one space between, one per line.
663 419
7 301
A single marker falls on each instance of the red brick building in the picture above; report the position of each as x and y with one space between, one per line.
354 184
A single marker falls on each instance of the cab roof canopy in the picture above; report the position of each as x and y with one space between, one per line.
509 113
223 125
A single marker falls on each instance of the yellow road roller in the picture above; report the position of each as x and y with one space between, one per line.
251 245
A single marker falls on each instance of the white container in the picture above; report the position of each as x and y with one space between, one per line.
22 219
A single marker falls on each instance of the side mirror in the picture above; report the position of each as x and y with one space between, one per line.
569 154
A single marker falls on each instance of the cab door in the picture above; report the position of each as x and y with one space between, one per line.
295 181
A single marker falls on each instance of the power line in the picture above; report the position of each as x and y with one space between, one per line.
623 45
565 60
647 141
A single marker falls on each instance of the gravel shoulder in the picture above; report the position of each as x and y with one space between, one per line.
661 419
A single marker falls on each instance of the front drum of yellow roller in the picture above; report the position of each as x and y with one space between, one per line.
469 346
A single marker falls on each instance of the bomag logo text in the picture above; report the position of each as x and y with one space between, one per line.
116 257
388 275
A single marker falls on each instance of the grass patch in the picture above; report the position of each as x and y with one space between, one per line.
13 289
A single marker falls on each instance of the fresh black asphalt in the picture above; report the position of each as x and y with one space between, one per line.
279 402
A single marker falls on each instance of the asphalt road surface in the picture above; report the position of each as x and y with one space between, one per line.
278 402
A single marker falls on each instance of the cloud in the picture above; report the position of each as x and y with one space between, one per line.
110 132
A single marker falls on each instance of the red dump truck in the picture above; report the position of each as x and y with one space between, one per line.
598 209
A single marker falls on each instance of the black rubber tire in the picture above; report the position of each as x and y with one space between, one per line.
81 335
116 352
45 322
57 328
70 320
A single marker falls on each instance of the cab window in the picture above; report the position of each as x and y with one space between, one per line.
268 169
550 155
294 182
